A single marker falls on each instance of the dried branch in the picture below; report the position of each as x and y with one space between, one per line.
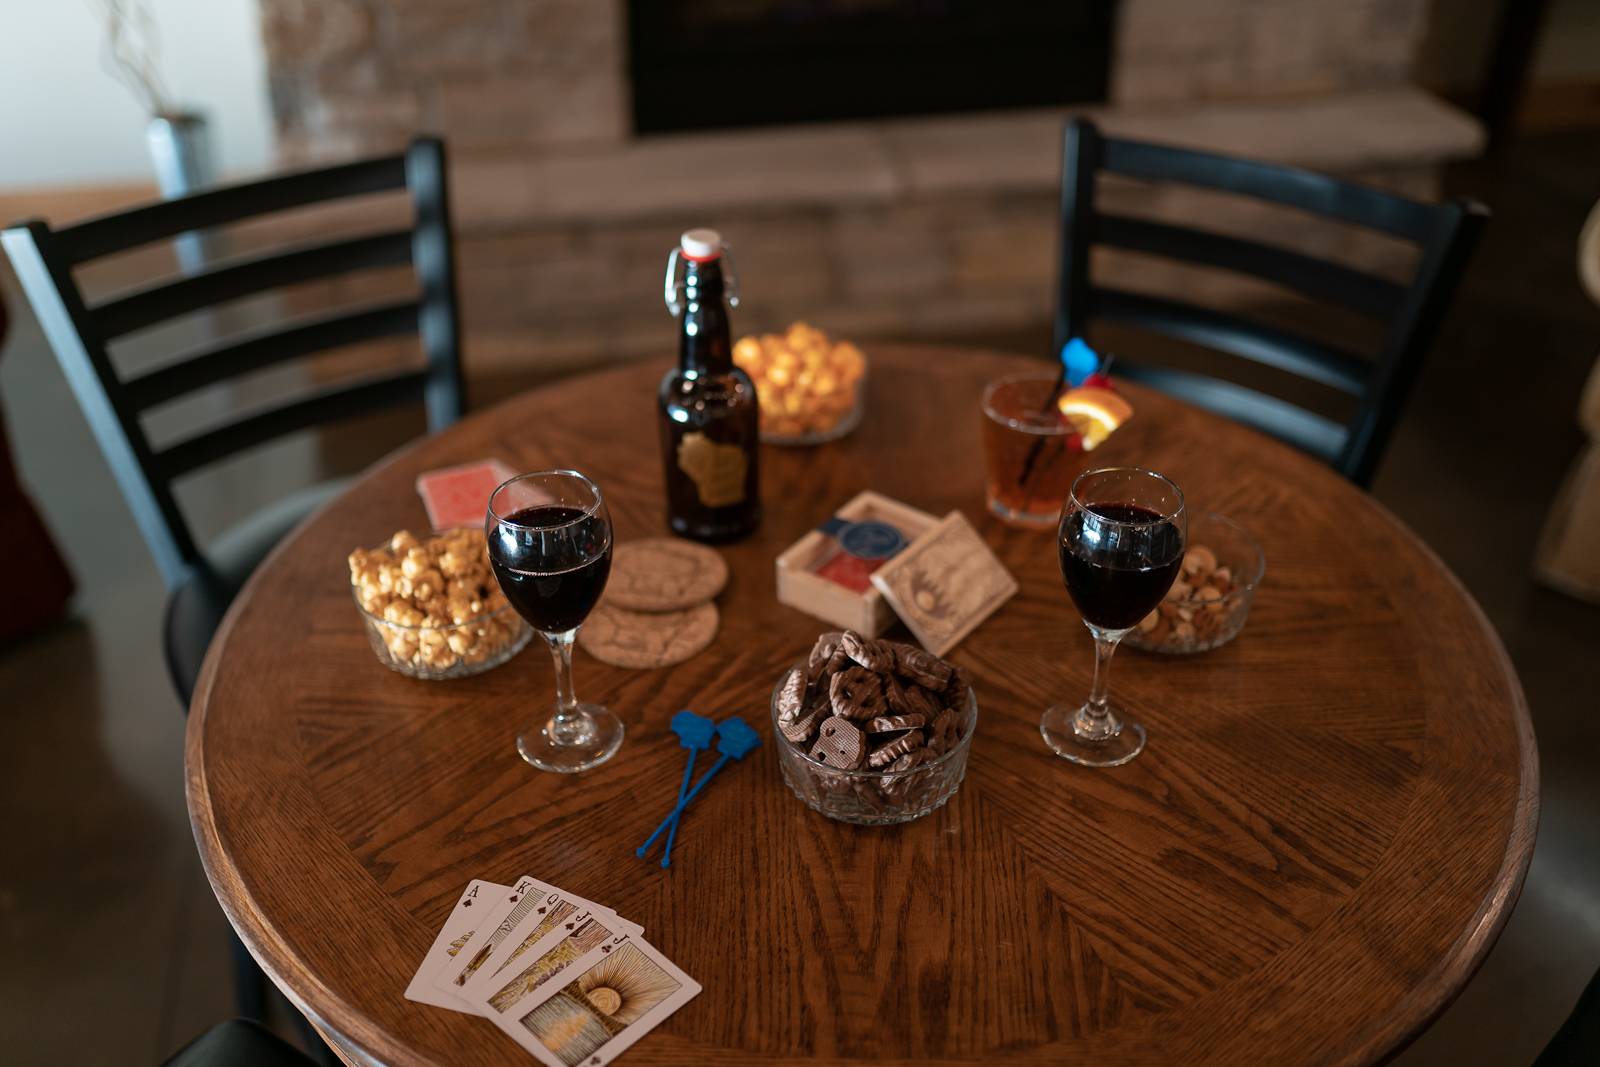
133 50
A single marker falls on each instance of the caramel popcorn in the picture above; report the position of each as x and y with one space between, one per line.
441 596
808 384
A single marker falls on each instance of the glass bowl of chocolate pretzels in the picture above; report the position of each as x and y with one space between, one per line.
1210 600
874 732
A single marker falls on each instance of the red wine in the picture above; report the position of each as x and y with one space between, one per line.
1118 561
552 562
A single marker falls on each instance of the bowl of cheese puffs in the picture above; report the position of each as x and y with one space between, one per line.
811 387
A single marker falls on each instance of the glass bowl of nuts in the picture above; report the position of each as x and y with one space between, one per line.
432 607
1208 604
901 752
810 386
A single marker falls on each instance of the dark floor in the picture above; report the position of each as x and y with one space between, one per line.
104 912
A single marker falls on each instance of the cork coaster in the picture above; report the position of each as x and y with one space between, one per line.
664 574
642 640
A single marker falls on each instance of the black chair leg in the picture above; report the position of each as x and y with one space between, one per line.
249 984
1577 1043
315 1046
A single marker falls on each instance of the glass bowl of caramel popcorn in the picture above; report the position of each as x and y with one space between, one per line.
810 386
432 606
1210 600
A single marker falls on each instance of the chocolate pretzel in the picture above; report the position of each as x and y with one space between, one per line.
885 724
884 755
875 656
856 693
922 667
792 697
839 744
821 653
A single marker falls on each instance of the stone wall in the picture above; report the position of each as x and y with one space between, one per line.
906 227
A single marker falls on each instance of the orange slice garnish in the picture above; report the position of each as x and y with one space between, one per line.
1095 413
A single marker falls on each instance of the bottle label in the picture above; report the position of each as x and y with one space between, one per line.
717 470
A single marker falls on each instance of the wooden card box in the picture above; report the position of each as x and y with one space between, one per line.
867 613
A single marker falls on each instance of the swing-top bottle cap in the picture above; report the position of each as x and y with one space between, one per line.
701 246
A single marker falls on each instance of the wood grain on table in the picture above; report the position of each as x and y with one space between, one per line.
1325 836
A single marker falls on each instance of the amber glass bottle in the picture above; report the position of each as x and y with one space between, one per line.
710 419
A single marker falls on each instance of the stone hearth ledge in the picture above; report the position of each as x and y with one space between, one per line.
895 161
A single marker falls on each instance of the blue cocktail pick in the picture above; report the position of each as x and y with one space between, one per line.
735 740
695 732
1080 361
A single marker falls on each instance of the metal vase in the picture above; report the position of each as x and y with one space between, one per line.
181 150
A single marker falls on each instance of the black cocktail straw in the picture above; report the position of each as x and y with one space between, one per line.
1038 445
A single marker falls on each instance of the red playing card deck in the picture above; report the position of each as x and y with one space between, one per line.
459 496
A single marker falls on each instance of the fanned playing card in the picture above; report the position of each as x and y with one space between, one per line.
458 927
527 896
610 998
545 951
459 496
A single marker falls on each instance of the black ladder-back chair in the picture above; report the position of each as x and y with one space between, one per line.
200 584
1410 314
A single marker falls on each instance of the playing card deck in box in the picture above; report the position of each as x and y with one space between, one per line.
877 560
809 571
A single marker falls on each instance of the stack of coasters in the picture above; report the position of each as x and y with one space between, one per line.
657 609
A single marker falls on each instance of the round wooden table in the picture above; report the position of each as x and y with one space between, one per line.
1326 834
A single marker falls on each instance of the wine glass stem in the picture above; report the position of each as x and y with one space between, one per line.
1094 719
568 721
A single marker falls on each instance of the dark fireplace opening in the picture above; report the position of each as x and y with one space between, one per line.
708 64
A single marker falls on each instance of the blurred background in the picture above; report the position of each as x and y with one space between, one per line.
883 169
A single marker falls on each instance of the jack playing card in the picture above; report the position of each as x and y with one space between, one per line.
546 950
611 997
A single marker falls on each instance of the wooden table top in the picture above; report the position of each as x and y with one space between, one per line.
1327 832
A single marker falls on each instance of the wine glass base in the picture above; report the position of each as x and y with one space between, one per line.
1067 741
583 744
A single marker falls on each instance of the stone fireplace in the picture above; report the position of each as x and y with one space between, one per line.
890 225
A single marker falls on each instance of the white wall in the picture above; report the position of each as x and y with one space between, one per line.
65 119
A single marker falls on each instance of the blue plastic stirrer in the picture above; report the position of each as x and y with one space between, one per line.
695 733
735 740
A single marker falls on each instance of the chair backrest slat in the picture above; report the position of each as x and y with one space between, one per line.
218 363
1248 340
1445 234
1320 436
233 281
1290 186
45 259
219 207
345 402
1319 279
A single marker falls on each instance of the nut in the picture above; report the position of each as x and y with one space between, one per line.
1199 562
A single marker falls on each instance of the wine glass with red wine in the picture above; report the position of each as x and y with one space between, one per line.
550 546
1121 543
